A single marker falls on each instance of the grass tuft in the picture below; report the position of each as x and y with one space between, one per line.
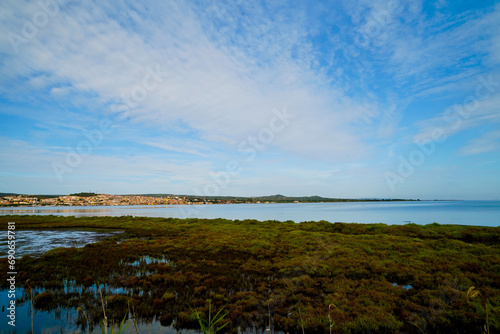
210 326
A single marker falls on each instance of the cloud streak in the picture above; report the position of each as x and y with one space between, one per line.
187 82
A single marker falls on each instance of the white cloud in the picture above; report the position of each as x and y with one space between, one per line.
473 113
495 50
16 157
214 86
176 148
488 142
423 52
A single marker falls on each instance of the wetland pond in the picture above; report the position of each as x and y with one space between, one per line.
65 319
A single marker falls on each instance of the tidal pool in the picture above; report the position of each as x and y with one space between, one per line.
38 242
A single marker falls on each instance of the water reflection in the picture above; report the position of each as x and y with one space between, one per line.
141 266
65 320
482 213
38 242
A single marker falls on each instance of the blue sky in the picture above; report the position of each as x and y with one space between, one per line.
354 99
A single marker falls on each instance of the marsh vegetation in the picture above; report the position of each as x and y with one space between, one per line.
316 277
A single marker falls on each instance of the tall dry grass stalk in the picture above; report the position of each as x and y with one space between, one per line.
472 293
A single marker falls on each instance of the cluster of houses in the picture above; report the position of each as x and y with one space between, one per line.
101 199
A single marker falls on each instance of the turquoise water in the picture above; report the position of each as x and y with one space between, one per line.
481 213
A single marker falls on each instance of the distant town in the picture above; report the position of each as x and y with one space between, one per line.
93 199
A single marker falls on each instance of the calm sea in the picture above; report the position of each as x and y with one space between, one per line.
481 213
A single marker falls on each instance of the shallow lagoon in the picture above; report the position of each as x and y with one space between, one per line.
480 213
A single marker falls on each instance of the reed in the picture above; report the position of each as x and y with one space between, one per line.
81 309
301 322
32 309
132 312
331 323
104 323
210 326
472 293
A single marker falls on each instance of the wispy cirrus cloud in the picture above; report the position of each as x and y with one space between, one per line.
473 114
210 84
488 142
216 70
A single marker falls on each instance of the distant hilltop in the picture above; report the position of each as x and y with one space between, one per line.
89 198
278 198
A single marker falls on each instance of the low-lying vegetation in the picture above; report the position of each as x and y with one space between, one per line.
315 277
